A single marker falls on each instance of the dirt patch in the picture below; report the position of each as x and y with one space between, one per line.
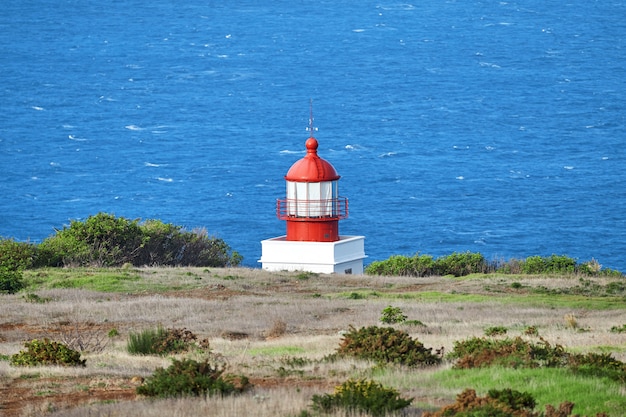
36 396
40 395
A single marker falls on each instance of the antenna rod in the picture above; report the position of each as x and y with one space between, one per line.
311 116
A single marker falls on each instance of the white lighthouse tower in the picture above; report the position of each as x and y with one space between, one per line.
312 210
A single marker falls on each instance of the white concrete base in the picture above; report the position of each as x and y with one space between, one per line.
344 256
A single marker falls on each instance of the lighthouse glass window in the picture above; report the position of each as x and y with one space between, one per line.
312 199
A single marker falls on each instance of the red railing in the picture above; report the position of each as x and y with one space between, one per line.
289 208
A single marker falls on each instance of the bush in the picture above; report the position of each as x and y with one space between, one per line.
100 240
496 331
162 342
461 264
170 245
386 345
553 264
457 264
11 281
398 265
392 315
188 377
481 352
599 365
619 329
104 240
361 395
500 403
46 352
16 256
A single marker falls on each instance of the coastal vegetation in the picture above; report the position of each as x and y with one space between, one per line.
461 264
115 317
104 240
246 341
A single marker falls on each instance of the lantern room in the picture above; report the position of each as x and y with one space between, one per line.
312 208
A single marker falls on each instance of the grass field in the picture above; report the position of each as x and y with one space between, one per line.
276 328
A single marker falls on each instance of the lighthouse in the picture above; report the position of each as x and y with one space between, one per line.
312 210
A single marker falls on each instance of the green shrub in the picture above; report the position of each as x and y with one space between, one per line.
392 315
554 264
385 345
188 377
398 265
100 240
599 365
16 256
500 403
516 353
619 329
162 341
36 299
11 280
169 245
144 342
496 331
46 352
461 264
531 331
106 240
355 396
457 264
515 399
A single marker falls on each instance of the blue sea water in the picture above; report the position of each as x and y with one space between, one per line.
486 126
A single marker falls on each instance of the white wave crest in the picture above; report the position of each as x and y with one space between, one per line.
134 127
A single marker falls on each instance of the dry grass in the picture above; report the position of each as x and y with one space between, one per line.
257 321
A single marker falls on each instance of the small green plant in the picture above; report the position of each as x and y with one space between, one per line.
162 341
113 333
531 331
619 329
34 298
392 315
386 345
188 377
496 331
356 396
46 352
303 276
416 323
356 296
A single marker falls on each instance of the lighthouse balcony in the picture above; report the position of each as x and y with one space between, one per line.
327 209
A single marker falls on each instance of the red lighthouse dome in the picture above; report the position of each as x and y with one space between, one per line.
311 168
313 207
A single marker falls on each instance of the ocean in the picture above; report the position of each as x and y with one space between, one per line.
492 127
